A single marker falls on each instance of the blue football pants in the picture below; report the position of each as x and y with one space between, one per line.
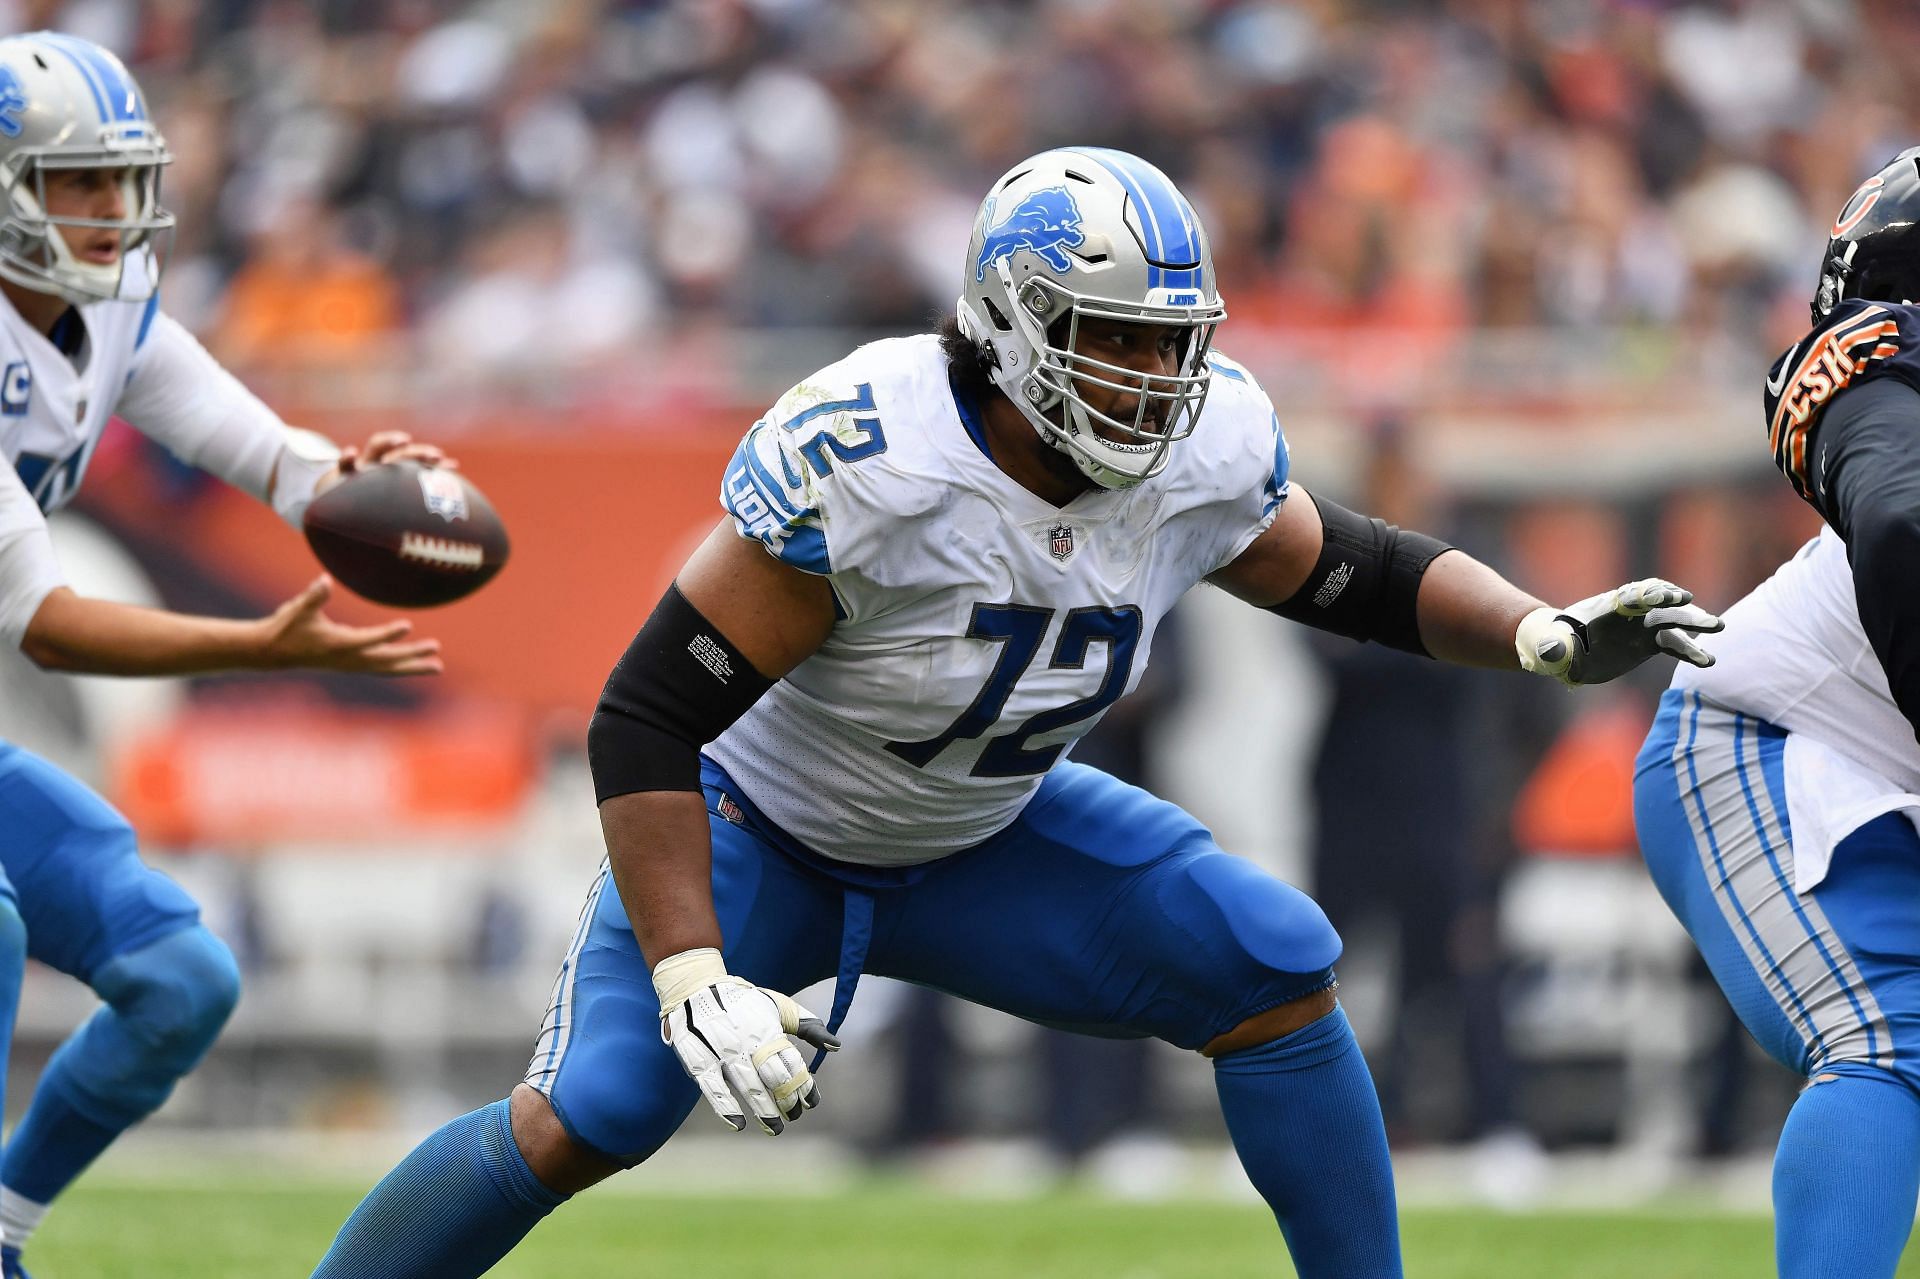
1101 909
1828 981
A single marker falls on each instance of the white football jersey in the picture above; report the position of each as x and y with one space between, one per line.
982 630
1794 654
137 362
53 408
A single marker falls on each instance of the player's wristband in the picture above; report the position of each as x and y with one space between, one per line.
1544 643
306 458
676 977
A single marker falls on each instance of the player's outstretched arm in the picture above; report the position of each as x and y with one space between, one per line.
735 620
1330 568
71 632
182 397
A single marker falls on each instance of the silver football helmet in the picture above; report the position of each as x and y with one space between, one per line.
66 103
1086 232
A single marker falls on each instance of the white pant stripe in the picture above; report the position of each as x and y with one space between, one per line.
551 1046
1747 859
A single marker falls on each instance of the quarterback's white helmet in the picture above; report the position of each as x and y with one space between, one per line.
66 103
1089 232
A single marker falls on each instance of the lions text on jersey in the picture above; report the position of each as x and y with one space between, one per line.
983 629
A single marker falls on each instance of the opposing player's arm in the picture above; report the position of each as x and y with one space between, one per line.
1866 462
1330 568
735 620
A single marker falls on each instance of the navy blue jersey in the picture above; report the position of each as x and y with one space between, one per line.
1858 342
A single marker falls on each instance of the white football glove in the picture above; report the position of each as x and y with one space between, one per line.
1604 637
731 1038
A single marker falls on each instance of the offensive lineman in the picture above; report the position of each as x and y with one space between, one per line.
82 339
942 559
1777 794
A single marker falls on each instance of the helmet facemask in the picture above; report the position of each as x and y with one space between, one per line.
1083 234
34 252
1112 451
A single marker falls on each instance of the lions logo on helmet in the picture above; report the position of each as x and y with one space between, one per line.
66 103
13 100
1139 255
1046 222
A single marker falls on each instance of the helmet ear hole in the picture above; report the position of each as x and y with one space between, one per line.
1000 321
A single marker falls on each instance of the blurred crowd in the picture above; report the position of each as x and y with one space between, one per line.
493 188
477 195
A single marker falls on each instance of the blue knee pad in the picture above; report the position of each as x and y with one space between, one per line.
1258 942
166 1002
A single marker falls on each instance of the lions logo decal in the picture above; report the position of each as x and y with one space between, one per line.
1046 223
13 100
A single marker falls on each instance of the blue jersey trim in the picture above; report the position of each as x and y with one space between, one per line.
805 547
769 487
969 417
146 320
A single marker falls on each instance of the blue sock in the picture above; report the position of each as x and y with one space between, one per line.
1846 1176
53 1143
1306 1121
453 1207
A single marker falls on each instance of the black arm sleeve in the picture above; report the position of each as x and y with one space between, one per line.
1366 583
1866 464
678 686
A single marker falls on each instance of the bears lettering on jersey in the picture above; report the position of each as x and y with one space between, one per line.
1857 342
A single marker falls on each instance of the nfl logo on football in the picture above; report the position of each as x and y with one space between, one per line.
444 495
1060 541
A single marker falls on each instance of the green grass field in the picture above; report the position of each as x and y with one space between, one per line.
260 1228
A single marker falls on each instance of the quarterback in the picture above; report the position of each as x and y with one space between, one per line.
1777 794
941 560
82 339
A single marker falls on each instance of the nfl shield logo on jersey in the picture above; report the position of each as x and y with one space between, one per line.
1060 541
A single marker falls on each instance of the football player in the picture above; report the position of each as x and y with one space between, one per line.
941 560
1777 793
82 339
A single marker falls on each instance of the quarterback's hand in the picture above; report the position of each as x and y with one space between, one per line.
1604 637
382 447
300 634
731 1037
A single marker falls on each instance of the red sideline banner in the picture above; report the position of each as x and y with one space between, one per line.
263 775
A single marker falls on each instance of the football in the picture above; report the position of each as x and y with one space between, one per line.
408 535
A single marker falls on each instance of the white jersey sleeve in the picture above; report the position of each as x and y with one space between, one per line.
29 571
784 485
180 396
1248 478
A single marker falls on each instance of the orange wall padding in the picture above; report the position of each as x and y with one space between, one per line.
599 519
